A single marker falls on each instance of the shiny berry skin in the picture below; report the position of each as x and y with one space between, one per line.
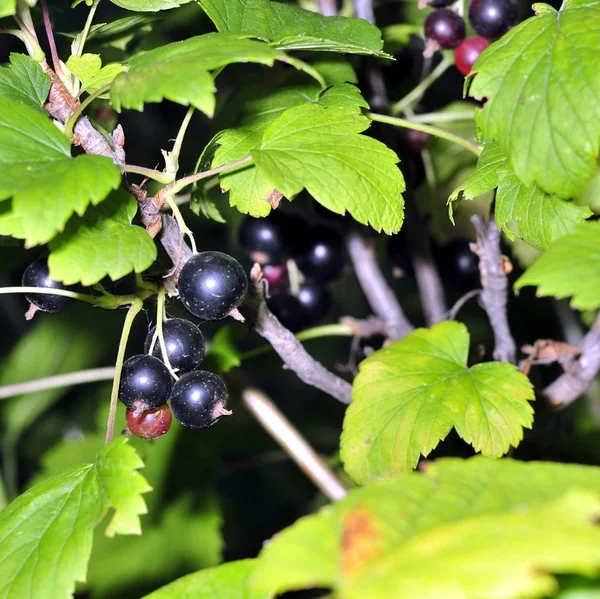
212 284
276 275
460 266
320 256
145 383
316 300
468 52
261 239
183 341
149 425
445 27
493 18
289 311
199 399
37 274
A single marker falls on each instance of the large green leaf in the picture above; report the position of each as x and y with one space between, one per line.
228 581
539 218
37 171
409 395
24 81
569 268
7 8
102 242
46 533
542 85
290 27
321 150
180 71
149 5
463 529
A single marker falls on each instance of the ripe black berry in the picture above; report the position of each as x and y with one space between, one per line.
459 264
468 52
320 256
37 275
445 27
149 425
262 240
199 399
298 312
183 341
145 383
212 284
493 18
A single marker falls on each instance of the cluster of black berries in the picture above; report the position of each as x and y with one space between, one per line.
491 19
315 253
458 264
211 285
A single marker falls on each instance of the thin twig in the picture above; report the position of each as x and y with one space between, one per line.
70 124
574 383
81 377
86 29
50 36
293 443
461 302
495 287
148 173
328 8
135 307
174 153
363 9
380 295
181 183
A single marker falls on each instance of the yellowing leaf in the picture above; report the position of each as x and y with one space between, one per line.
409 395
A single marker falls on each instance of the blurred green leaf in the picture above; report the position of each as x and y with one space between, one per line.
24 81
149 5
223 349
463 528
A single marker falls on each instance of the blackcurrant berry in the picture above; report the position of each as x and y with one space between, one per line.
276 275
145 383
199 399
212 284
414 140
296 312
316 300
445 27
149 425
37 274
399 255
440 3
261 239
459 265
320 256
289 311
183 341
468 52
493 18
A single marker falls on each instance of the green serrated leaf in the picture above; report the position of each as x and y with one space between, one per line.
408 396
544 113
37 171
321 150
24 81
228 581
149 5
89 70
290 27
464 528
102 243
46 533
538 218
180 71
569 268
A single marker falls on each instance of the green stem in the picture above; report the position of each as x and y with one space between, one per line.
179 185
160 318
435 131
148 173
181 222
75 116
441 117
174 153
416 93
327 330
133 311
87 27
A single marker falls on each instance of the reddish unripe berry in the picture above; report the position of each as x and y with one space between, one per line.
276 275
468 52
149 425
